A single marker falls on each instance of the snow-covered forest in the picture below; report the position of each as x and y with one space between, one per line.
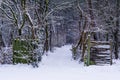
59 39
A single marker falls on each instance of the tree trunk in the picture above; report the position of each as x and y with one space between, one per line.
46 48
92 23
116 29
50 42
90 8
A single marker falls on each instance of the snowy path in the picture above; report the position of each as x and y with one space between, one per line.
60 66
60 58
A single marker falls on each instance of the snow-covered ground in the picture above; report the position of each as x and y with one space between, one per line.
60 66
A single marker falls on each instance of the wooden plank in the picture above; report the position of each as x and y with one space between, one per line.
101 42
100 49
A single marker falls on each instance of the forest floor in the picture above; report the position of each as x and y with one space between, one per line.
60 66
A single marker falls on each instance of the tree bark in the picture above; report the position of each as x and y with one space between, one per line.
92 23
47 39
46 47
116 29
90 8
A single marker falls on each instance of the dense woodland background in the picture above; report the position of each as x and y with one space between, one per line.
56 23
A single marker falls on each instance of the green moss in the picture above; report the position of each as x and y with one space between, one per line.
74 52
22 51
91 62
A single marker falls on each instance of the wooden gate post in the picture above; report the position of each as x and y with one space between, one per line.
110 52
88 52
